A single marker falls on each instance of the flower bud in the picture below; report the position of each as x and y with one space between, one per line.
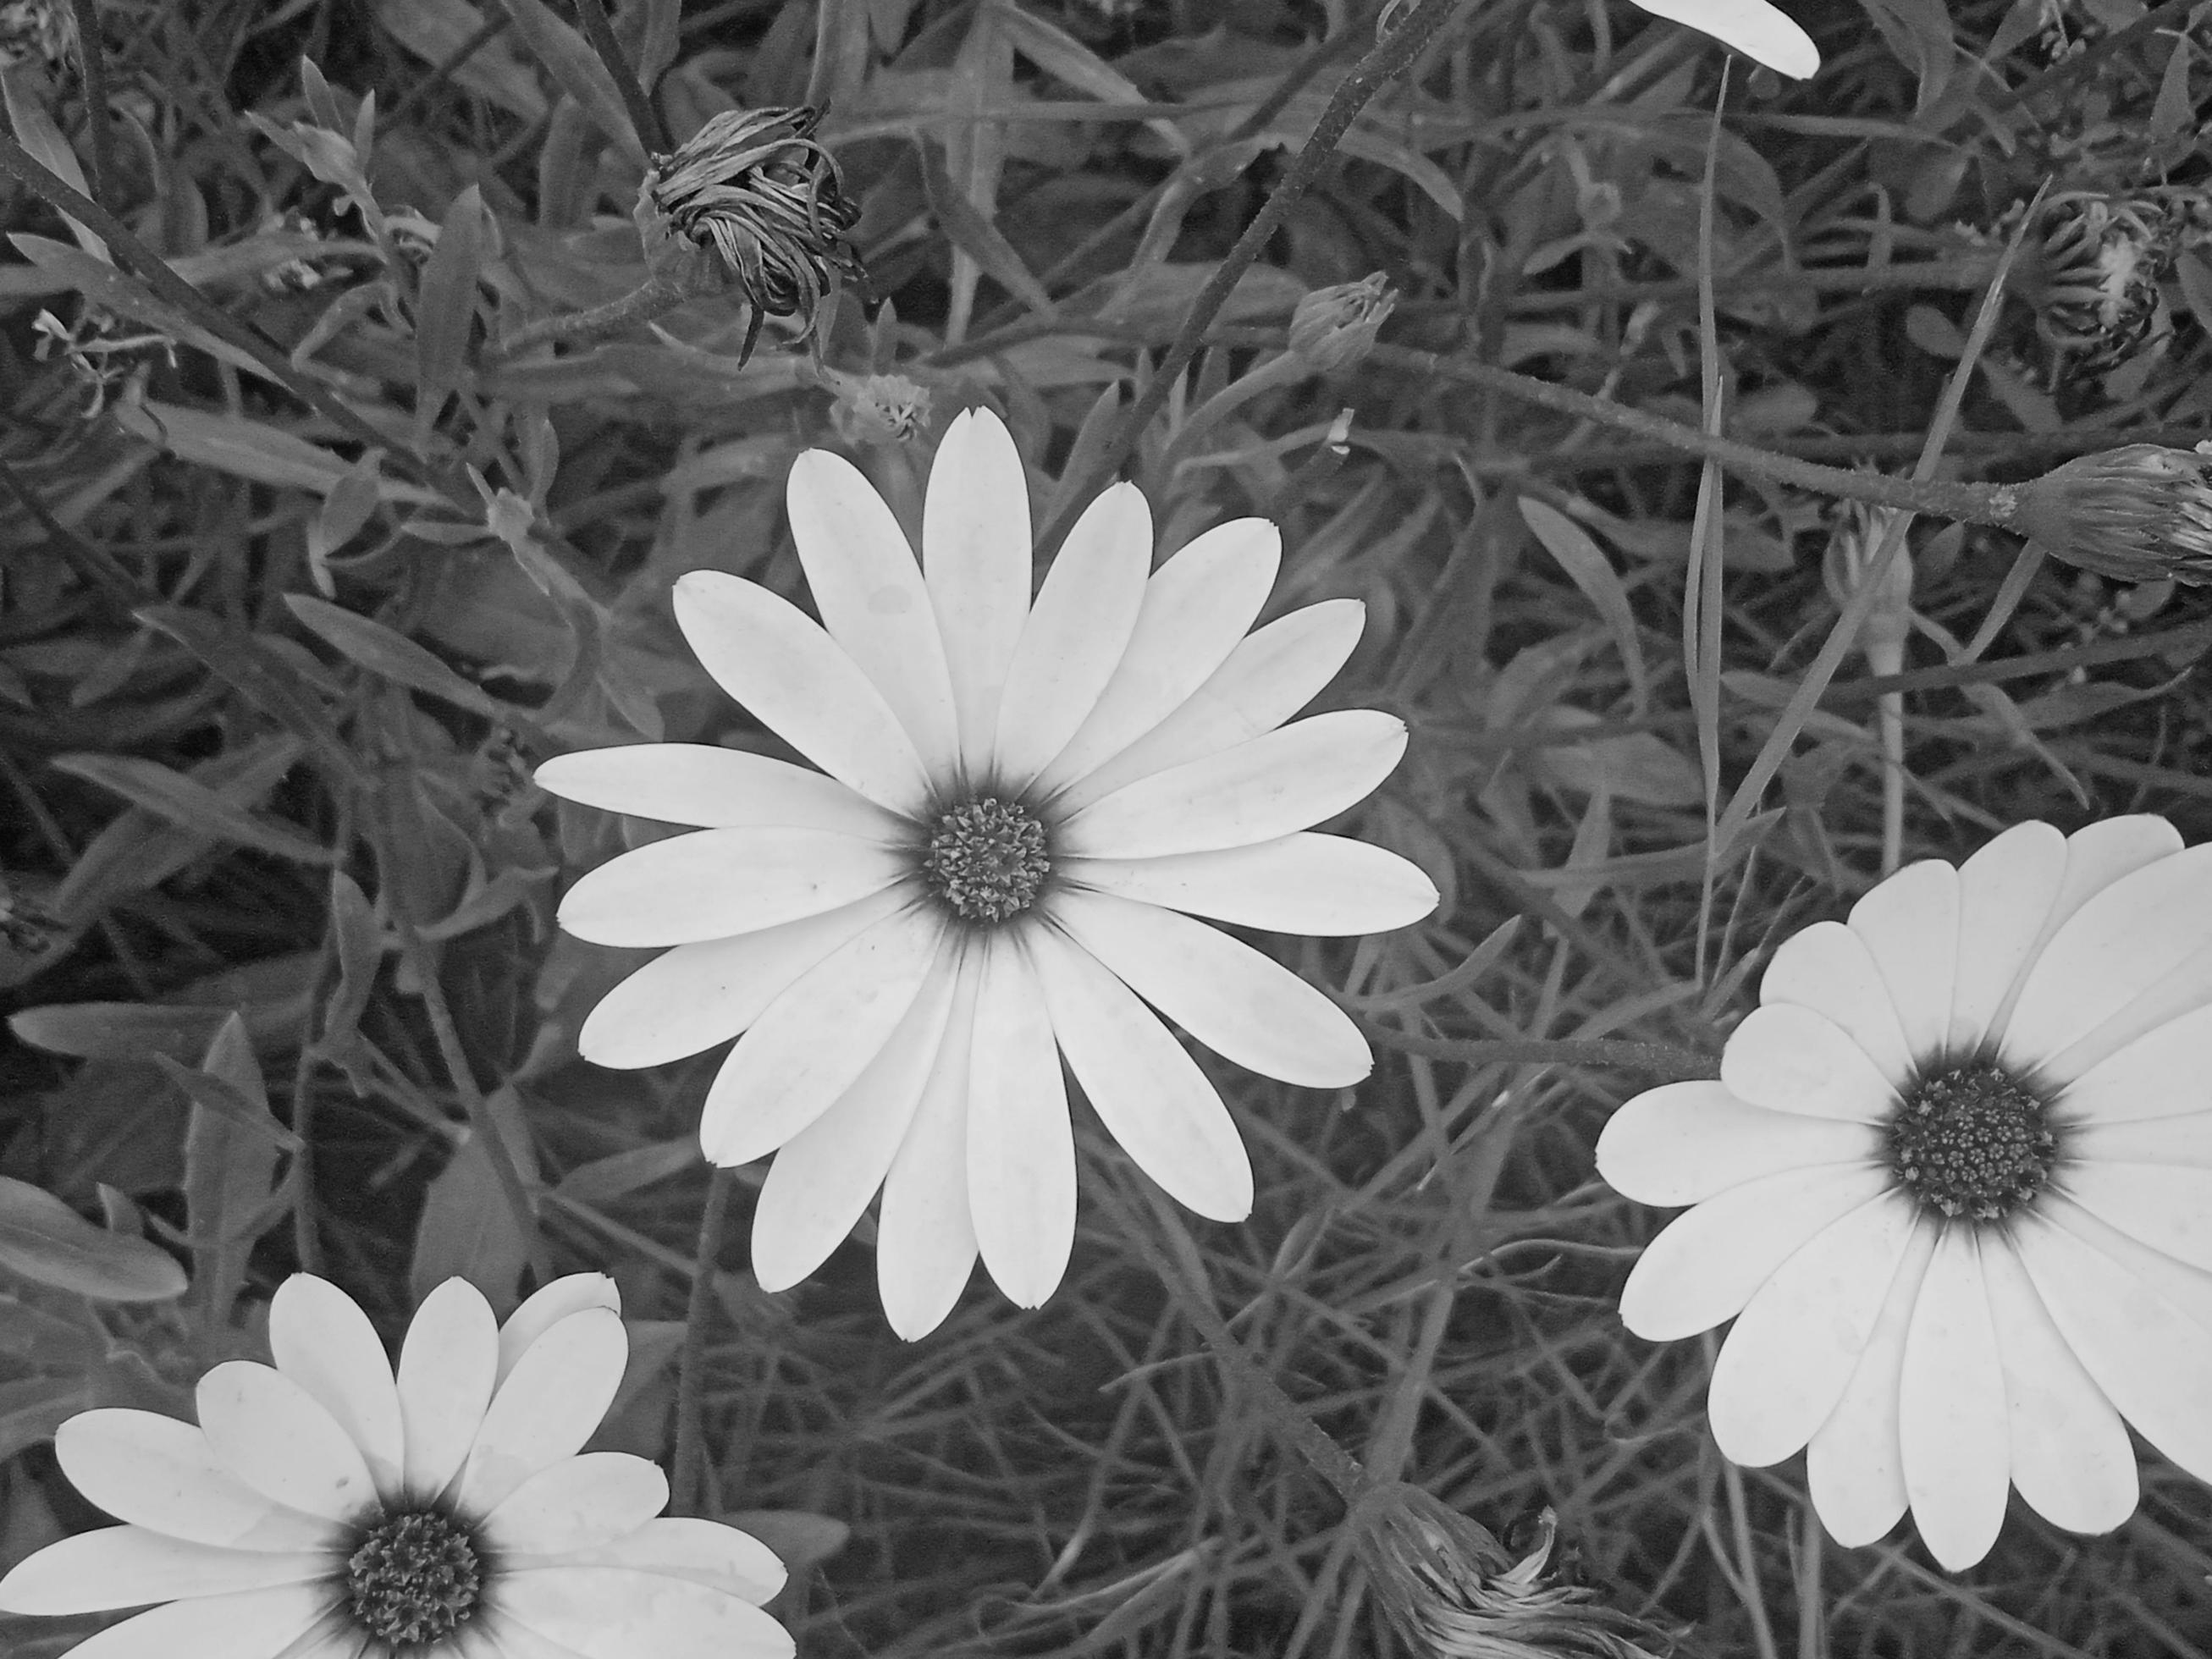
1452 1591
1849 564
754 203
877 409
2137 513
1333 327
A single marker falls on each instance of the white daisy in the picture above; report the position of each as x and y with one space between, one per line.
1762 33
1017 799
1954 1186
325 1510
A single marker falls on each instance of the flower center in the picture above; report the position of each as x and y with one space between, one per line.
1971 1141
415 1577
986 859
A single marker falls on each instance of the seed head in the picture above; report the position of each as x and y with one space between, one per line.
2137 513
1333 327
1452 1591
754 195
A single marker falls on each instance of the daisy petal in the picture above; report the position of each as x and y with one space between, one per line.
712 788
259 1624
2166 1072
2005 894
814 1041
1683 1142
688 1000
1275 672
1753 27
269 1431
1147 1092
2119 946
547 1408
1910 925
322 1341
502 1638
579 1503
711 883
131 1567
771 657
1828 969
977 560
1708 1261
1791 1353
162 1474
2166 1206
1951 1408
925 1234
704 1552
2152 1359
1195 608
2070 1456
448 1365
1075 634
1266 787
1853 1467
546 1307
1243 1006
1326 885
824 1175
2184 1138
868 588
1021 1148
1789 1058
616 1613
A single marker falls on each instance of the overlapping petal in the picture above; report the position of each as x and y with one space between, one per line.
1321 886
256 1624
162 1474
711 883
271 1433
321 1339
713 788
547 1406
1683 1142
976 560
448 1366
1951 1407
1021 1146
133 1566
1760 32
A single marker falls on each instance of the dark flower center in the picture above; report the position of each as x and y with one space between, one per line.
1972 1142
415 1577
987 860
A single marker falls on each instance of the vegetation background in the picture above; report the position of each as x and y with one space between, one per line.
285 990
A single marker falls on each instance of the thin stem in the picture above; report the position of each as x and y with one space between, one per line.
652 131
92 58
655 296
1326 1459
1391 56
687 1486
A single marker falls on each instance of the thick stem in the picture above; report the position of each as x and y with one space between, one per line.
687 1494
651 298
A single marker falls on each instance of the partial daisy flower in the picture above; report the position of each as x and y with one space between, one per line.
325 1509
2138 513
1753 28
1954 1186
1020 807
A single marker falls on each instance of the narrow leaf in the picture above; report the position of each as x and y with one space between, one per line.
1586 565
573 63
382 650
45 1241
230 1167
193 805
445 307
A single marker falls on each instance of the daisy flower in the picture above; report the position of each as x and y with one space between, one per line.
1954 1186
1021 807
325 1509
1762 33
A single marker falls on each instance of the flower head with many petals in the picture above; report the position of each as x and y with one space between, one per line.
325 1509
1954 1186
1022 803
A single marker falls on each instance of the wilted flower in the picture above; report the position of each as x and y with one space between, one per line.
41 32
1951 1185
2101 263
1020 802
753 189
327 1509
2138 513
1451 1591
876 409
1333 327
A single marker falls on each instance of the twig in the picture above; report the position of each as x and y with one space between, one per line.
1395 54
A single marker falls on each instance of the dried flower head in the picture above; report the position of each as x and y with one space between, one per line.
2137 513
754 189
1333 327
42 31
1452 1591
2102 261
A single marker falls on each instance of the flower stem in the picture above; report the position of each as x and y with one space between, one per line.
687 1486
652 131
657 295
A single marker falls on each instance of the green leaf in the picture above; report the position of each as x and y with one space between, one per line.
467 1229
192 805
359 939
252 450
230 1166
1588 569
446 309
450 33
975 236
382 650
350 505
44 1240
578 69
35 130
